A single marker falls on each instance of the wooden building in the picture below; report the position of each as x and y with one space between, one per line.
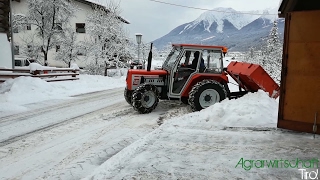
299 104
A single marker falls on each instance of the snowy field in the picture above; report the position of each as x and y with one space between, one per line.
85 130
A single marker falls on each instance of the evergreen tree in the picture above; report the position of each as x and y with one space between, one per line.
272 54
270 57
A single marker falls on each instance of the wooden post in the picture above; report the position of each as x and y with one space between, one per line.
74 71
36 72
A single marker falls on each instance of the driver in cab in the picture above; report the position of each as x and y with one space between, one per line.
194 61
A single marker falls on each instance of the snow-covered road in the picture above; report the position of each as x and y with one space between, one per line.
68 139
52 115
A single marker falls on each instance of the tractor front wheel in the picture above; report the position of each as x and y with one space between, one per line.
206 93
145 98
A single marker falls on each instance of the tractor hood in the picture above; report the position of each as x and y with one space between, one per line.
145 72
135 75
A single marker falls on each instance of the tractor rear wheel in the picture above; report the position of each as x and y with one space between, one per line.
128 96
206 93
145 98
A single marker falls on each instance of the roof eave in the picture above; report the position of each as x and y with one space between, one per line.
285 7
94 4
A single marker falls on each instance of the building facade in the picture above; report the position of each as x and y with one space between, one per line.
78 22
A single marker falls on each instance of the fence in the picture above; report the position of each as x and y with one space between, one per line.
49 75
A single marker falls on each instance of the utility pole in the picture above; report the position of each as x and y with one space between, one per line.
11 35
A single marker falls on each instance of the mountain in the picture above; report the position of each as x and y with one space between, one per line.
225 26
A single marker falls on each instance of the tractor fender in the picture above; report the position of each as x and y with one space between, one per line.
221 78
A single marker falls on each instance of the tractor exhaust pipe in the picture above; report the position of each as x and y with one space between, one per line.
149 58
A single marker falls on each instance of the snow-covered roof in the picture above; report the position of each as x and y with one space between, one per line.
100 3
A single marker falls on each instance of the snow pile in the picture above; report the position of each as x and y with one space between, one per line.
252 110
36 66
25 90
74 66
31 89
200 145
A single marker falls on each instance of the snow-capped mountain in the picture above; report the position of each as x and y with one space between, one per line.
225 26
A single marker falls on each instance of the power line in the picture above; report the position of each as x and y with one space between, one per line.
204 9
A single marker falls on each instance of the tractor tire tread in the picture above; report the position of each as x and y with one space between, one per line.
196 88
137 97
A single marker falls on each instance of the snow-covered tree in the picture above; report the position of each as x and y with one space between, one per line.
253 55
49 17
68 47
30 46
270 55
108 39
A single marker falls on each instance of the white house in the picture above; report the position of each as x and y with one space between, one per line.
78 22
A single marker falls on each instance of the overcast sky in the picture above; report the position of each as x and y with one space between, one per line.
153 19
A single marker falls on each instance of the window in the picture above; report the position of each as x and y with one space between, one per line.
57 48
171 59
80 28
17 63
213 61
16 50
29 47
58 26
28 26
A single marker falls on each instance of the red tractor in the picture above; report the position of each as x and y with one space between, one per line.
195 75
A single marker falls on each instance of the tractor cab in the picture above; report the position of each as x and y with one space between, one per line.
187 60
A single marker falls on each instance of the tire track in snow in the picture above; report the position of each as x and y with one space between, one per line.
53 116
72 149
84 98
55 125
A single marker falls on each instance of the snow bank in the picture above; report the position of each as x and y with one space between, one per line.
252 110
25 90
37 66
